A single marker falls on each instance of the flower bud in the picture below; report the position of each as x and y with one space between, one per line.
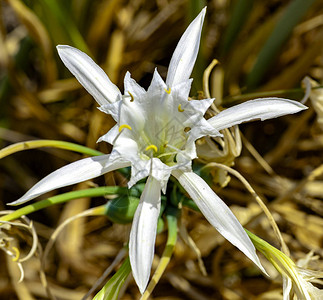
122 209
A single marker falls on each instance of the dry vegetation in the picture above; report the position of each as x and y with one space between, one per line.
263 48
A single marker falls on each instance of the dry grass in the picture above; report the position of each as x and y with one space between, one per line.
281 158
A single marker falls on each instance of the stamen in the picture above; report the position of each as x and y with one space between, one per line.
166 154
15 249
153 147
168 91
178 151
173 148
180 109
132 98
124 126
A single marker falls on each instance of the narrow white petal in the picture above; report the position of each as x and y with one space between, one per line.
89 74
140 168
199 106
262 108
202 128
217 213
75 172
184 57
112 109
130 85
160 172
157 84
110 136
287 287
143 233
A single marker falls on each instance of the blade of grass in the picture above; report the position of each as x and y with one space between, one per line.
63 17
39 34
293 14
101 23
294 73
111 289
240 13
249 48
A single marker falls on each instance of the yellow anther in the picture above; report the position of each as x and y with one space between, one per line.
123 126
153 147
168 91
132 98
15 249
180 109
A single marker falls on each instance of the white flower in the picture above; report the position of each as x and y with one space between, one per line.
155 134
296 279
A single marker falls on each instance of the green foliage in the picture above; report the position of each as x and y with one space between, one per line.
111 289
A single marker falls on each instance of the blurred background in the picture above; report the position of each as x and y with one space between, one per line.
264 48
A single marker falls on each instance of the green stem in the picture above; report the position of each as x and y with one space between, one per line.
190 204
259 243
238 98
93 192
283 264
270 252
171 216
112 288
47 143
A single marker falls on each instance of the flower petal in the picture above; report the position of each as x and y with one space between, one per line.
262 108
89 74
140 169
202 128
183 59
160 172
75 172
112 109
130 85
287 287
199 107
143 233
110 136
217 213
157 84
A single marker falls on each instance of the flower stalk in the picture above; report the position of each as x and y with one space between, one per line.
47 143
93 192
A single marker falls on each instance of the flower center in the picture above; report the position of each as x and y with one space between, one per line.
157 129
165 145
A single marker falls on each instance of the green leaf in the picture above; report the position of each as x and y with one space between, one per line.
111 289
240 13
63 29
293 14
